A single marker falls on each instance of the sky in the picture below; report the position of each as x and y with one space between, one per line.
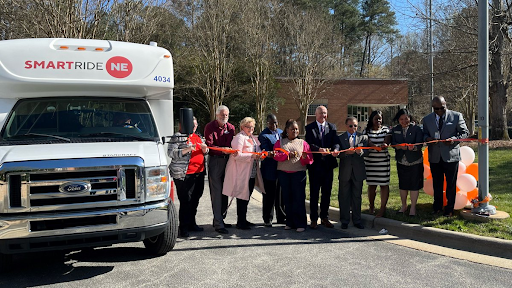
405 13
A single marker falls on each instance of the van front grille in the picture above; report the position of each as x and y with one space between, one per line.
68 184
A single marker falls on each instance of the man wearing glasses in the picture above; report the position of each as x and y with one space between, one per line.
351 174
445 125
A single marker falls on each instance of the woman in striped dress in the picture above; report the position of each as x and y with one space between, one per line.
377 162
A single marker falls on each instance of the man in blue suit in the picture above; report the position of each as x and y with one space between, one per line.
272 197
444 157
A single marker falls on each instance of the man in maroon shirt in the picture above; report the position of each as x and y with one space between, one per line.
218 133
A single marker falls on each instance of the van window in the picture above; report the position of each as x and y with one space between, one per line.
79 118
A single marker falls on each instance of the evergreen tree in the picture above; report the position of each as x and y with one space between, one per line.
377 20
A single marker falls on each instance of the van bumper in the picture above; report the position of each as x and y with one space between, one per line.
72 229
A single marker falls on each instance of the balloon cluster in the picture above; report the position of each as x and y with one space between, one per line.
467 178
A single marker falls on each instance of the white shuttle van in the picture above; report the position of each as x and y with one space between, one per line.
82 158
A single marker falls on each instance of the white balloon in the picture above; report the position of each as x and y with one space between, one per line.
466 182
461 201
462 168
467 155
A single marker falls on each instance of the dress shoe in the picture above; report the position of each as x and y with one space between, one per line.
268 224
250 224
314 225
437 212
184 233
448 214
243 226
300 230
344 226
222 230
359 226
195 228
225 225
287 228
327 223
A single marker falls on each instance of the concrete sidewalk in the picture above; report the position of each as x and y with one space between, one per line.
456 240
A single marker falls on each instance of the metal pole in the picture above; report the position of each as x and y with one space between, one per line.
483 108
431 50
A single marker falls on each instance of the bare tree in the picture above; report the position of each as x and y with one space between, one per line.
258 26
306 34
212 49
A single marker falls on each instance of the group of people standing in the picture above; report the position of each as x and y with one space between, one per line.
234 166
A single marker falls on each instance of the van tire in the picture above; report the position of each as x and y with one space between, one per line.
5 262
161 244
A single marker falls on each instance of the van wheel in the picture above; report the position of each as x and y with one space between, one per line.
164 242
5 262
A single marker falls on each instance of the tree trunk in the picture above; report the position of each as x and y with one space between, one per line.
498 85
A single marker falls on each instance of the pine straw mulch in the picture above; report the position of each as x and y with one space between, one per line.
494 144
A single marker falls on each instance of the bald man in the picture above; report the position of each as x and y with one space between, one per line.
444 157
321 137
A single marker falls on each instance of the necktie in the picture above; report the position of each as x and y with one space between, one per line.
440 124
322 131
352 141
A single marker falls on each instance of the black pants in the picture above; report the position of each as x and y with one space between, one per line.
273 198
216 173
241 205
293 186
320 178
439 171
189 191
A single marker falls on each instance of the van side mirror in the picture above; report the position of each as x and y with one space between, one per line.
186 121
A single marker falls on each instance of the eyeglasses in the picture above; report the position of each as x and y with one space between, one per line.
439 108
352 126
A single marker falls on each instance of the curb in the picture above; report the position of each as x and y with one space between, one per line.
440 237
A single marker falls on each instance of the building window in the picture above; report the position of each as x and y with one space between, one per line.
314 105
359 112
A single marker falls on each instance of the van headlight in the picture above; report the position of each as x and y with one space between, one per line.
157 183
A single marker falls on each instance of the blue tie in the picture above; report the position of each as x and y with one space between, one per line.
322 134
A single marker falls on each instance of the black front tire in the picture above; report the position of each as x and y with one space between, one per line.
161 244
5 262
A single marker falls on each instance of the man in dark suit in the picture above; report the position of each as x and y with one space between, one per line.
321 137
272 197
352 174
444 157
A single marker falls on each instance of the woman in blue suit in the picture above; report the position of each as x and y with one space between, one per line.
409 159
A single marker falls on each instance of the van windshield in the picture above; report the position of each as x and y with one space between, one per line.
82 119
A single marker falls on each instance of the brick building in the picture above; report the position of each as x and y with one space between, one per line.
346 97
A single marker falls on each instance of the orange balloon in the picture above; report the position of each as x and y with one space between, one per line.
472 169
472 194
425 157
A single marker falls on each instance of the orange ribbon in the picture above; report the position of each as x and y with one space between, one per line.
477 203
264 154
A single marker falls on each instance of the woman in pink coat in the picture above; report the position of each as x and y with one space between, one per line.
242 171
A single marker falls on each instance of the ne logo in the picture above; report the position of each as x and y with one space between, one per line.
119 67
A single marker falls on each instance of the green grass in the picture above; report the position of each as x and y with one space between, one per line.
500 184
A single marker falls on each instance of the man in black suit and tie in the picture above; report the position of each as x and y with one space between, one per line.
321 137
444 157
